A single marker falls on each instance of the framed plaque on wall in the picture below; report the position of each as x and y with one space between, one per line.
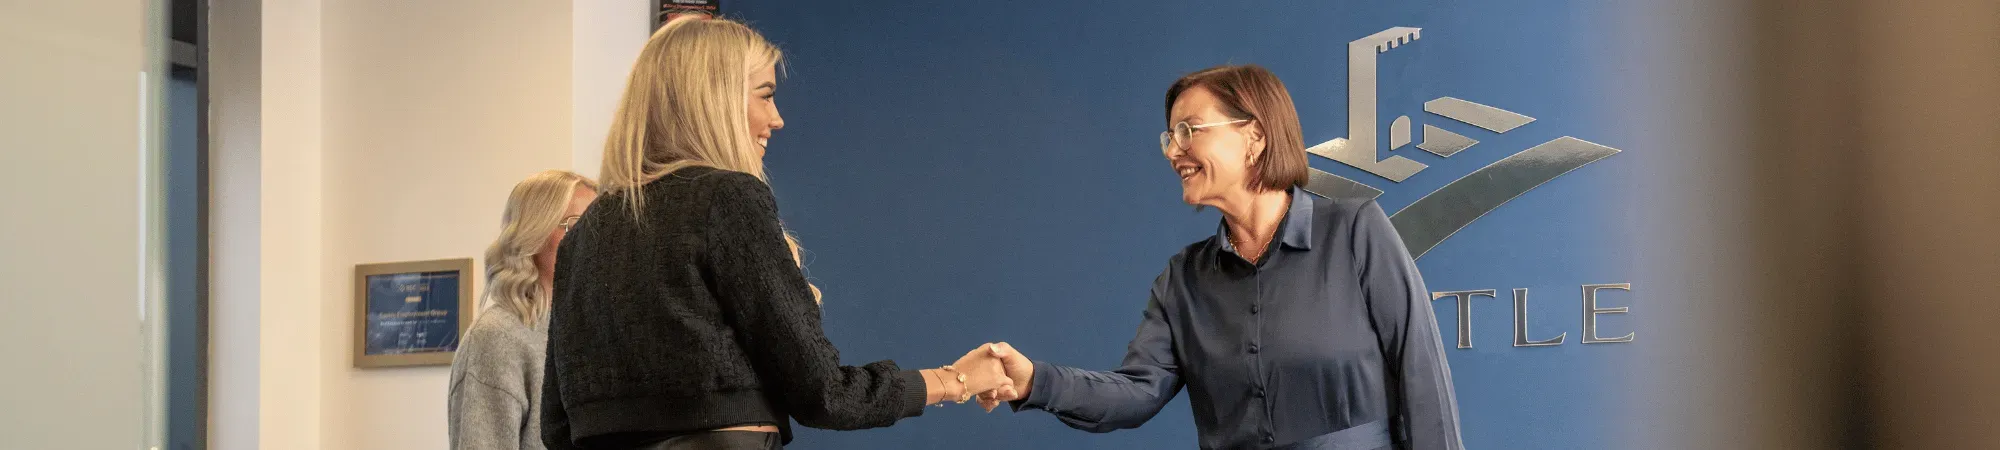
411 313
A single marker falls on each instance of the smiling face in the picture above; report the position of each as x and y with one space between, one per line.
762 106
1213 161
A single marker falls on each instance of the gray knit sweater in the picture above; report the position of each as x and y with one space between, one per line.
496 384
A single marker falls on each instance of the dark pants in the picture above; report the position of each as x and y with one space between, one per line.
720 440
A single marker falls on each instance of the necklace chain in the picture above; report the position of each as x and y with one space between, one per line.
1240 250
1260 253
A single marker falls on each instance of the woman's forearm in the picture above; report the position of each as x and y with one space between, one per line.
935 389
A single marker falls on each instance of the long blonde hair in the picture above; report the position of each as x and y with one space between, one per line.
534 209
684 106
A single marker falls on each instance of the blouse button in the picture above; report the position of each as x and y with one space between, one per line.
1253 348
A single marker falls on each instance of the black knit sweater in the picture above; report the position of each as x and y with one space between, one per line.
694 317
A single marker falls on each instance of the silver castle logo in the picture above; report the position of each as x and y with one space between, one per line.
1430 220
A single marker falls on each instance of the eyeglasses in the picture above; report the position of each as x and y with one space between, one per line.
1181 133
568 222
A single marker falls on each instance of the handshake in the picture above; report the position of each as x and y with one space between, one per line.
993 372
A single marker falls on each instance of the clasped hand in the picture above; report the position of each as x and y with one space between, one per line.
994 373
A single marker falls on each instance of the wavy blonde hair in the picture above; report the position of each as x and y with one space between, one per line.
685 106
534 209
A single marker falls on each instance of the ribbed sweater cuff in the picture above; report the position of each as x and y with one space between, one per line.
914 392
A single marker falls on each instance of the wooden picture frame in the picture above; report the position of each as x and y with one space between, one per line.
411 313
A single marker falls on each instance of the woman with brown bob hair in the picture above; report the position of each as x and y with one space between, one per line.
1302 324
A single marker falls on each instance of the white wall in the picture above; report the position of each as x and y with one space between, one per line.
265 196
290 246
70 152
609 34
235 177
433 110
361 131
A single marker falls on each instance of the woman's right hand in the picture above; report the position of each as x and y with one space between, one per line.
1019 368
985 370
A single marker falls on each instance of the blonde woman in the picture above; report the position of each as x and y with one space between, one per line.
681 317
496 378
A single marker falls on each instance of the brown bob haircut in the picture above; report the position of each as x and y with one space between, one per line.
1251 92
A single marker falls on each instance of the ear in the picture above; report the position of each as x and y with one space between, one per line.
1253 134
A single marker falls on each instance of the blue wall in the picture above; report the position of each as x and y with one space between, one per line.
965 172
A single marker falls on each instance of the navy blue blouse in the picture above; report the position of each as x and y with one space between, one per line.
1328 343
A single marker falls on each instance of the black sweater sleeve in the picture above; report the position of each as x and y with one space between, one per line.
765 297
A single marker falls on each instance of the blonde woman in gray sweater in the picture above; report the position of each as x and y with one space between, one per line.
496 378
